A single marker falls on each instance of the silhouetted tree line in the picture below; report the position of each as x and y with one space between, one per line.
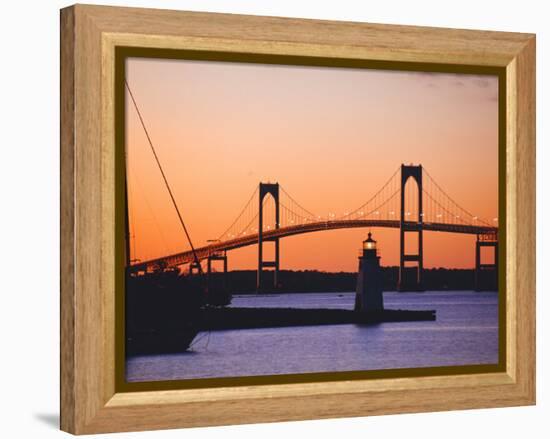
244 281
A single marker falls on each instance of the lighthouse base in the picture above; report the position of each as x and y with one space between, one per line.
368 294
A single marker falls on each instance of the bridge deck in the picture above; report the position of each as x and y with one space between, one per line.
252 238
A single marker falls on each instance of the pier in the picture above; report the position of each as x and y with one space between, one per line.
218 319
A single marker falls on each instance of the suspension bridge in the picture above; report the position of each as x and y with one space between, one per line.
410 200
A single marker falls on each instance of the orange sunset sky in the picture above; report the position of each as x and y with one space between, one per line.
330 136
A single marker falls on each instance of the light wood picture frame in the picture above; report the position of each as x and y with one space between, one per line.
92 400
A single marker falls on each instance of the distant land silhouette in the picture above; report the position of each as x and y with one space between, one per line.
312 281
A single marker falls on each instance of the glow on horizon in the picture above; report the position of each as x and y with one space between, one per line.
330 136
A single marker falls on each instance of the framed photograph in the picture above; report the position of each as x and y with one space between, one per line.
268 219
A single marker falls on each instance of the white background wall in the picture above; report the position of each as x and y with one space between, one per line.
29 218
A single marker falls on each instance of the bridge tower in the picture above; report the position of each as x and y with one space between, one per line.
407 280
217 256
265 189
486 275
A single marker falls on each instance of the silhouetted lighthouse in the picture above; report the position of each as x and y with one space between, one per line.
368 295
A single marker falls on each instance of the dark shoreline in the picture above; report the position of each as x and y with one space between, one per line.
282 293
313 281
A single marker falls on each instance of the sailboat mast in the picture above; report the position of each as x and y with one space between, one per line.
126 219
195 257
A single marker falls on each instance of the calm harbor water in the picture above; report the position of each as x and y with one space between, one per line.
465 333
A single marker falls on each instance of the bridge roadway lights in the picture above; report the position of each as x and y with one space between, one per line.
265 189
405 283
486 275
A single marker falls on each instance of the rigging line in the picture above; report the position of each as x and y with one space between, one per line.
204 334
241 213
132 224
133 174
195 257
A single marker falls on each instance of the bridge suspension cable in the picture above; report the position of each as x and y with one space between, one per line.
439 198
239 217
298 206
291 212
390 184
133 175
243 225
